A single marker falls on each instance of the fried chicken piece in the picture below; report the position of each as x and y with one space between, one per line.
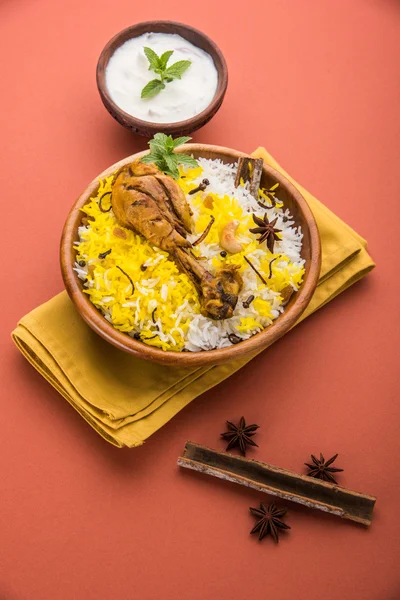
219 293
178 200
152 177
147 184
140 212
139 169
151 203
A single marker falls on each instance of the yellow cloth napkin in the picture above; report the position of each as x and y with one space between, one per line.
126 399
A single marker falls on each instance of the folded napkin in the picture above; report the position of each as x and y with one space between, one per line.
126 399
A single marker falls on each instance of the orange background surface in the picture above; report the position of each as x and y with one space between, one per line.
317 83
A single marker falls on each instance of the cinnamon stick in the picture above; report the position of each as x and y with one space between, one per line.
250 169
273 480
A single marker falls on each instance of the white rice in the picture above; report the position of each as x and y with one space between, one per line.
204 333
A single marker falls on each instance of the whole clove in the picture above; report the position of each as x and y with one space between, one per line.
200 188
104 254
136 335
247 302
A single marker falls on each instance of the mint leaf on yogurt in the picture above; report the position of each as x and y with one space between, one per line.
152 88
177 69
158 64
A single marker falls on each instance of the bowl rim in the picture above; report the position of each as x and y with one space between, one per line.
169 127
123 341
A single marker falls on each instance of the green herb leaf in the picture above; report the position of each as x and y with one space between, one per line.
177 69
157 152
186 160
172 164
162 154
169 144
153 59
150 158
152 88
160 138
181 140
158 144
164 58
158 64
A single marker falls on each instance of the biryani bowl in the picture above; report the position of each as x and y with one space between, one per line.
310 252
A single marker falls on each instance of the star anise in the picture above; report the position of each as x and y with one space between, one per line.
269 521
266 230
321 469
240 435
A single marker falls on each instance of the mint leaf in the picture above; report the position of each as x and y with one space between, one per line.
158 64
169 144
162 154
160 138
153 58
171 160
152 88
157 151
164 58
172 164
150 158
184 159
181 140
177 69
159 144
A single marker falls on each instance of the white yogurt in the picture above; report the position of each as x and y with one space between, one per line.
128 72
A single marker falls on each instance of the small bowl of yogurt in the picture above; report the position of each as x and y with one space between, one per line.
162 76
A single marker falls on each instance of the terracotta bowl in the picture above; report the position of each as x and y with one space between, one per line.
194 36
311 252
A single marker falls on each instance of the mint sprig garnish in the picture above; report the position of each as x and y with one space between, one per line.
152 88
162 154
158 64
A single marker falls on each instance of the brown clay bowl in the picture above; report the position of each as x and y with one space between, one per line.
311 252
147 128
